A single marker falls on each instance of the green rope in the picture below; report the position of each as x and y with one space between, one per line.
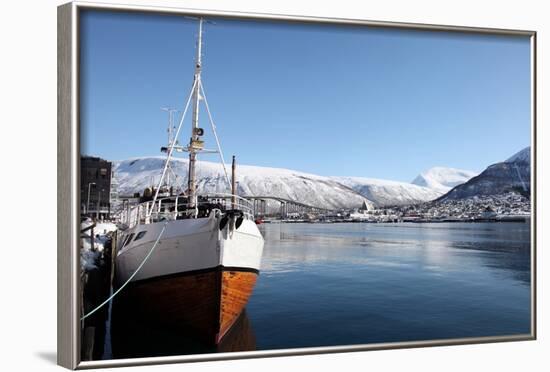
130 278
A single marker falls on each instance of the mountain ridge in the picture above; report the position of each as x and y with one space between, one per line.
386 192
443 179
135 174
511 175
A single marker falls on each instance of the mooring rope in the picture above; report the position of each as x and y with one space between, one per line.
131 277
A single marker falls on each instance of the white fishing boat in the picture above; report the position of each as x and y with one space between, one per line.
184 258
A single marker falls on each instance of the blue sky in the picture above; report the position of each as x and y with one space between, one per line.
330 100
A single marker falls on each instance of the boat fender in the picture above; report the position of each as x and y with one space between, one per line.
239 222
223 222
232 222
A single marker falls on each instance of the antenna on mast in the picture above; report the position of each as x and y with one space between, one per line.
171 126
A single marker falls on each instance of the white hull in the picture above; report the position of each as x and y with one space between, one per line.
189 245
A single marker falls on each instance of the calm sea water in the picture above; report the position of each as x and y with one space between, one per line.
344 284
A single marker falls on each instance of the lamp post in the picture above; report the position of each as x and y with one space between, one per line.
98 203
88 201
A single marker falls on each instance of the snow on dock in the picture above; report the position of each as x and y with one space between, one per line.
90 255
97 248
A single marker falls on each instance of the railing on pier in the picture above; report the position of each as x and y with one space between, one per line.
177 207
91 235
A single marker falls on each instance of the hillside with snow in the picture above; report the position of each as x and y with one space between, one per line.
384 192
521 156
443 179
511 175
134 175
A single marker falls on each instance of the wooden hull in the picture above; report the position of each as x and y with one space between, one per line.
206 302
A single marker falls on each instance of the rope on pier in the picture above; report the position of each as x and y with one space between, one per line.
131 276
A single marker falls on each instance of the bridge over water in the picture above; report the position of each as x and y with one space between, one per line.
286 206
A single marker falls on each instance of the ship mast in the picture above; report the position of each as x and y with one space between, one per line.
195 143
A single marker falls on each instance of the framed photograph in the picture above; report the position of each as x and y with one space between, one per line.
239 185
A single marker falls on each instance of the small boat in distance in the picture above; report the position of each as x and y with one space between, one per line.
186 259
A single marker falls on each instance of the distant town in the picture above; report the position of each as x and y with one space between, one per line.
507 207
510 207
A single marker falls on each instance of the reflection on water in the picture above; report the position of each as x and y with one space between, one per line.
342 284
135 337
339 284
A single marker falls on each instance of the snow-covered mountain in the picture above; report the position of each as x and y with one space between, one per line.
384 192
443 179
134 175
511 175
521 156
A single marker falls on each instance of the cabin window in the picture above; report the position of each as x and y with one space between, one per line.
140 235
129 240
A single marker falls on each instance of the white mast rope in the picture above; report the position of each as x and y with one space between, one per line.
173 172
215 134
220 152
171 150
131 276
184 180
180 186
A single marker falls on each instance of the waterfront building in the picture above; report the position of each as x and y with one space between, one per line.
95 187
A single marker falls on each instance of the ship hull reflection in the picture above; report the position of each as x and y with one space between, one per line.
133 336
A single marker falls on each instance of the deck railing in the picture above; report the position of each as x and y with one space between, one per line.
176 207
